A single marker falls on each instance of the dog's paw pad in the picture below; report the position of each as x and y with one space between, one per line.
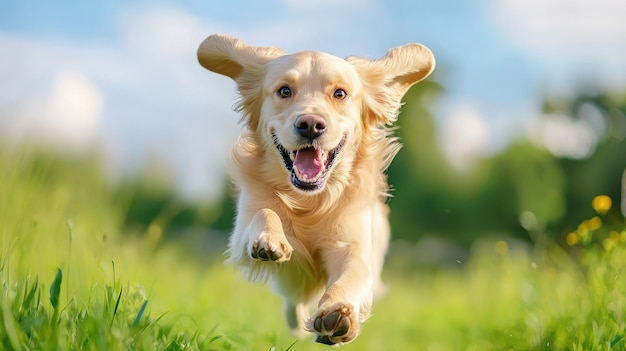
332 322
335 326
265 249
272 255
324 339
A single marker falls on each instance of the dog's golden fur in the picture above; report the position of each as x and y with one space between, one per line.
311 212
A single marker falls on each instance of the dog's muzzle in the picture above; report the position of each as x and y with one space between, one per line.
308 166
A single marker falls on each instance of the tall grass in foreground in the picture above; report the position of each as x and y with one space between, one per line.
71 281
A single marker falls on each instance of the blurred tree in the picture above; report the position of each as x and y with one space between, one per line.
153 205
527 191
225 210
419 171
522 190
601 172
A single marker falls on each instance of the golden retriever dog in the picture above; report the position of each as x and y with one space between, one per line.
310 174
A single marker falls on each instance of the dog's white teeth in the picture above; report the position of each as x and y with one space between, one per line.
292 155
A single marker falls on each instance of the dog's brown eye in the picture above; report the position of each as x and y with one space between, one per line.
340 94
284 92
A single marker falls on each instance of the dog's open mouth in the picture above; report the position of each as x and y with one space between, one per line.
308 166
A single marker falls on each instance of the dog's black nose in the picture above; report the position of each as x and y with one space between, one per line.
310 126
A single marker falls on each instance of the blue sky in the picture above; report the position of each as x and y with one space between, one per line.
123 75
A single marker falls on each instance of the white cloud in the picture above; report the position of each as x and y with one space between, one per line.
570 20
67 116
465 136
564 136
162 33
563 23
575 40
74 107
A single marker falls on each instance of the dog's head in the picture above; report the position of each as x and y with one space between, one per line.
313 107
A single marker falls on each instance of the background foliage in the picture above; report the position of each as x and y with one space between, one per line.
522 181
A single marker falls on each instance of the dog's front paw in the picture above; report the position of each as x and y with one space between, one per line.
270 248
335 324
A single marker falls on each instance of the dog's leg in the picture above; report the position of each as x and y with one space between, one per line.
258 238
347 300
266 239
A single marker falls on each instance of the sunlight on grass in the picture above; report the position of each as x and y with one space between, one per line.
72 280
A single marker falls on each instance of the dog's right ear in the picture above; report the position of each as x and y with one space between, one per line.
231 57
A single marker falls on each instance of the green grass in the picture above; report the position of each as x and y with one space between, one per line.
71 280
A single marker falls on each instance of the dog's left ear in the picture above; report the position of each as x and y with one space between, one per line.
389 78
245 64
231 57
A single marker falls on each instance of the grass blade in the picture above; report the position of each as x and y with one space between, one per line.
616 340
9 327
55 289
140 313
29 294
292 345
117 304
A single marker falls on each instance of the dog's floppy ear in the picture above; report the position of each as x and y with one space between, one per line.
231 57
243 63
388 78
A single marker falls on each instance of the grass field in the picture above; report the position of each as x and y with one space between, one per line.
71 280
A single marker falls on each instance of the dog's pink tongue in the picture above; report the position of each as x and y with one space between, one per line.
309 162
